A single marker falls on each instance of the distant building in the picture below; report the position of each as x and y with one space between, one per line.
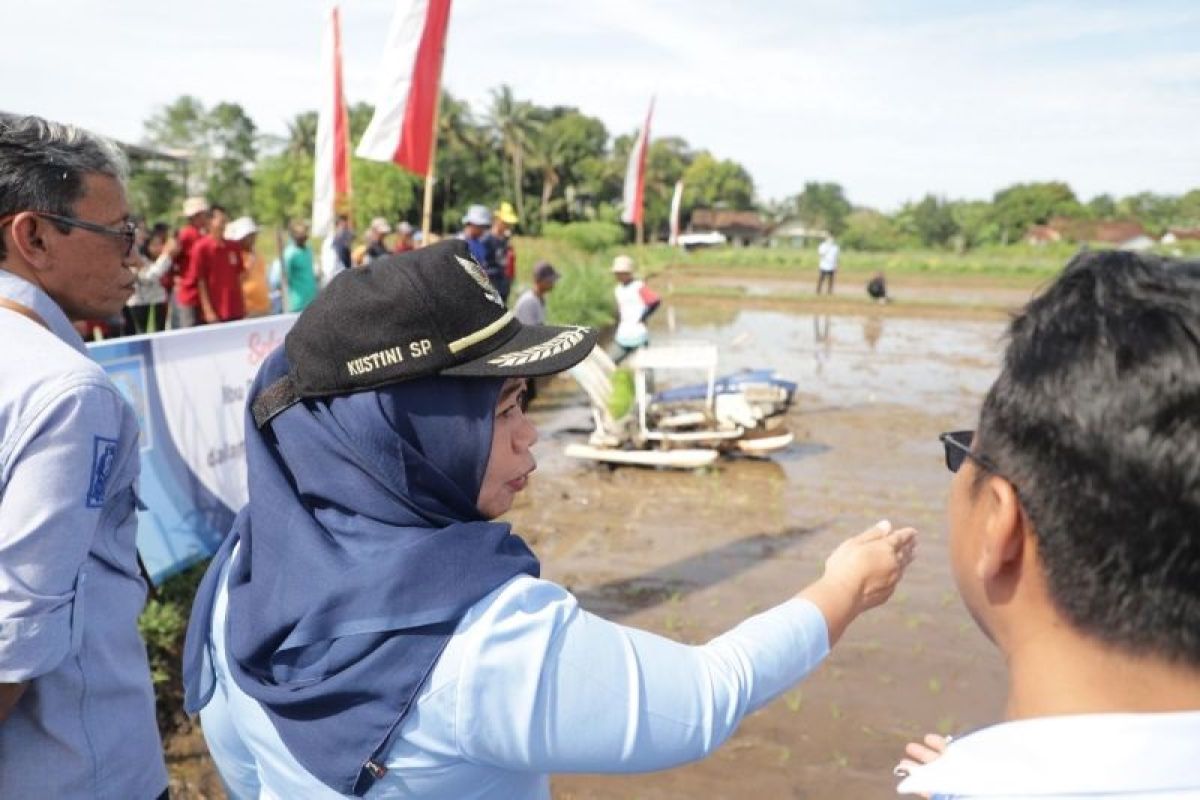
1122 234
1042 234
741 228
796 232
1174 235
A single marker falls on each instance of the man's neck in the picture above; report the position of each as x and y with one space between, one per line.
1061 672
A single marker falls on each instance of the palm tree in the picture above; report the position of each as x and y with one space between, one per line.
513 121
302 134
546 155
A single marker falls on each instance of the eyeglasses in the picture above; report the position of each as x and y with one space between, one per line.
126 230
958 450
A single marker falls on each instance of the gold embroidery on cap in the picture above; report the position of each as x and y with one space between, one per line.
560 343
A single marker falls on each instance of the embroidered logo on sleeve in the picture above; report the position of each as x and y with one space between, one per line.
104 455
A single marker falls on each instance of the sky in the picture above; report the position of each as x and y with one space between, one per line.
893 99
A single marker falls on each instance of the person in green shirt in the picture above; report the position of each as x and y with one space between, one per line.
298 261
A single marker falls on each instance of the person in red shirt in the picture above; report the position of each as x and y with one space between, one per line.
185 300
404 237
218 267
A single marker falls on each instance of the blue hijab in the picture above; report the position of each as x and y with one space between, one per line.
361 548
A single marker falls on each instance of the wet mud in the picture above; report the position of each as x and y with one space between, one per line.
690 554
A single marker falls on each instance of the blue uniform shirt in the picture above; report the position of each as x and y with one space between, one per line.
70 587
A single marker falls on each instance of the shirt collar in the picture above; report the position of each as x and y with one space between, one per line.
17 289
1079 754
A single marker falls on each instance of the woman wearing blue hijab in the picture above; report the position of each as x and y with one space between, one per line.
368 629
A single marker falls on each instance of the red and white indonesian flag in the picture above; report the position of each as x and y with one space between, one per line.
635 174
331 173
402 129
676 203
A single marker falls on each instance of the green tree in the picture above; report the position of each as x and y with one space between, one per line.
708 183
976 223
513 122
1017 207
868 229
283 188
1156 211
562 149
219 143
154 193
930 221
469 165
1102 206
233 151
823 206
1188 214
302 135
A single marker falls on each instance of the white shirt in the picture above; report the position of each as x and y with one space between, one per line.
1090 756
531 684
148 289
631 331
828 251
70 588
530 308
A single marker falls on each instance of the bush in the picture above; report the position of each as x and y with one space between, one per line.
590 237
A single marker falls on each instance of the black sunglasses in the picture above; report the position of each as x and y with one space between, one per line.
958 450
126 230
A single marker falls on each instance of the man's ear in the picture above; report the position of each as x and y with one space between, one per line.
28 239
1003 529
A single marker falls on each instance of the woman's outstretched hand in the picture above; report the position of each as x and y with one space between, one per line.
861 573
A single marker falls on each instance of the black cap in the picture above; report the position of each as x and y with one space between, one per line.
424 312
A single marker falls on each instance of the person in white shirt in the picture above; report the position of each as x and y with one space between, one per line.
369 627
828 253
146 311
1075 542
635 303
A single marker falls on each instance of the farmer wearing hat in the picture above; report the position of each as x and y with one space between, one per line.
368 625
404 237
635 303
498 243
185 296
475 224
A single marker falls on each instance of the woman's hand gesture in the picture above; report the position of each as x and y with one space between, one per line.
862 573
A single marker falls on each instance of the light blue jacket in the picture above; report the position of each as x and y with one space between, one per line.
531 684
70 587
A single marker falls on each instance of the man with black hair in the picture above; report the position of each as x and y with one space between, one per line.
76 702
1075 541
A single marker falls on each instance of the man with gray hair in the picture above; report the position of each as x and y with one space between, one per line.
76 701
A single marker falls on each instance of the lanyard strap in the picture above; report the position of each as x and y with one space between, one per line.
24 311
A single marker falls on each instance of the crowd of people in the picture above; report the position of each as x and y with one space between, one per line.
369 627
209 270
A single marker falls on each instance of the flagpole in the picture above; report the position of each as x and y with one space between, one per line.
431 172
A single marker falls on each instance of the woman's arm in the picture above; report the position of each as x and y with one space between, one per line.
549 687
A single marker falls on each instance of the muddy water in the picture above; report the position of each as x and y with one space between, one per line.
689 555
